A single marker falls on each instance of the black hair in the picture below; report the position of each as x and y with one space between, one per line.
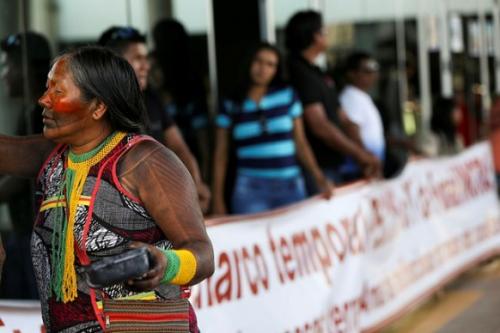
441 120
245 81
118 38
173 55
354 60
300 30
101 74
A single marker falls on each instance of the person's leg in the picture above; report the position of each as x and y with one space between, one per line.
249 195
333 175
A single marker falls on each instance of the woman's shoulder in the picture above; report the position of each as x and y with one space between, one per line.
285 91
143 146
149 166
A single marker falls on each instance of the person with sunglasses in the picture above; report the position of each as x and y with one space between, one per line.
102 188
365 123
131 45
263 121
21 53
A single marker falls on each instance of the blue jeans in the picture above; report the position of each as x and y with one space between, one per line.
331 173
255 194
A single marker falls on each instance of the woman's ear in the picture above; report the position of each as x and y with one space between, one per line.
99 110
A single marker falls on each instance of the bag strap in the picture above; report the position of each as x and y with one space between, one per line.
81 252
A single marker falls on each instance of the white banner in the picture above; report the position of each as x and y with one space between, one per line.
352 263
357 261
20 317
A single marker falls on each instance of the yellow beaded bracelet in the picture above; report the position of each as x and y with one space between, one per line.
185 263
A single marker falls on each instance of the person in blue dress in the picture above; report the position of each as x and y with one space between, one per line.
262 122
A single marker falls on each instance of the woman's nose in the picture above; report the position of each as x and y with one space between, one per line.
44 101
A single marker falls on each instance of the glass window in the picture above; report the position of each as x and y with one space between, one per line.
192 13
283 11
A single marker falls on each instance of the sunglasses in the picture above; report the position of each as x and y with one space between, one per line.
11 41
370 67
125 33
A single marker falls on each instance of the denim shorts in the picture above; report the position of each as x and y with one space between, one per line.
258 194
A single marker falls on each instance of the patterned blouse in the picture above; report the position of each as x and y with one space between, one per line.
117 219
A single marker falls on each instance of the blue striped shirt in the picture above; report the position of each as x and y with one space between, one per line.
263 133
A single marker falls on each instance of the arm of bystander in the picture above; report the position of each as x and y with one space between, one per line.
317 120
23 156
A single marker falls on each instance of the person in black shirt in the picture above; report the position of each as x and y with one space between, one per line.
131 45
18 280
175 77
305 41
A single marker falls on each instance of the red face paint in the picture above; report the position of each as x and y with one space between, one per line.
62 95
63 105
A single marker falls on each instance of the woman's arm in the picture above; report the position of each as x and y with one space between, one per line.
307 159
160 180
219 170
23 156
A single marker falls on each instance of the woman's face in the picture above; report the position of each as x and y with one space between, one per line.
64 114
263 68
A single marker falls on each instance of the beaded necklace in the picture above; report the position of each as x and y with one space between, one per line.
64 282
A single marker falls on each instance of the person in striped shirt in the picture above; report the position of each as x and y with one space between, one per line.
263 120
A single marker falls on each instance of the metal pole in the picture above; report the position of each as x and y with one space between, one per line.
483 61
129 12
27 95
271 22
444 52
401 53
266 20
496 41
423 60
212 56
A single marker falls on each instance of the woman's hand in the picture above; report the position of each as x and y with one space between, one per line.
151 279
325 186
371 165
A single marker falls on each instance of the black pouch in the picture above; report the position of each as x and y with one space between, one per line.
118 268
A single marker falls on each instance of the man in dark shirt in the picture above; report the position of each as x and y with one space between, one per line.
131 45
305 41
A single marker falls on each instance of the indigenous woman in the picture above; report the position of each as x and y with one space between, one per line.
263 119
102 188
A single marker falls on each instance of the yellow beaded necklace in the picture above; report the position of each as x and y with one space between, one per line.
64 282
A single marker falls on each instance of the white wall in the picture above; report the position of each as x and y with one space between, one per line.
87 19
